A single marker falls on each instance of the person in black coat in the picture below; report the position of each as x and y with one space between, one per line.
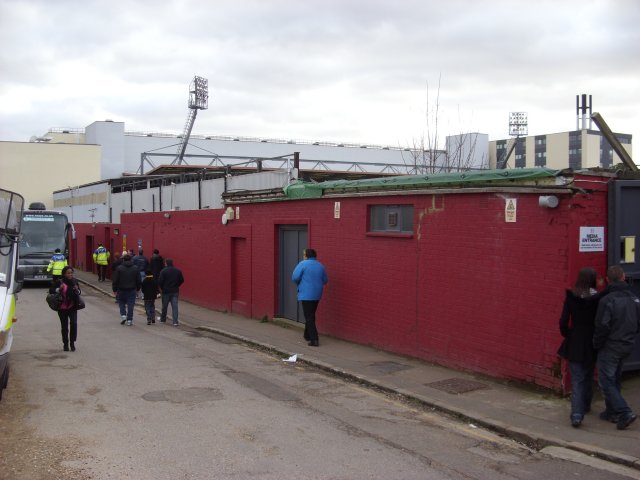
577 327
68 312
169 283
616 328
149 294
126 284
156 264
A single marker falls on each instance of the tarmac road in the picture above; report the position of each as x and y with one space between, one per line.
158 402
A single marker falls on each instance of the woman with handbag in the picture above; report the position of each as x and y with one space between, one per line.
577 327
69 288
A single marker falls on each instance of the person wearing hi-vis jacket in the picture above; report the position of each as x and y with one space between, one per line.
101 259
56 264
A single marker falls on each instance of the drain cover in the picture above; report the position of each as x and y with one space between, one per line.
389 367
456 385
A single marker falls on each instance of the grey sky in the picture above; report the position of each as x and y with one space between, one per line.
356 71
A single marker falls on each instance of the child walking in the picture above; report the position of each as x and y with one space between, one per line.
150 293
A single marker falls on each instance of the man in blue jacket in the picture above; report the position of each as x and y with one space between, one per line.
311 277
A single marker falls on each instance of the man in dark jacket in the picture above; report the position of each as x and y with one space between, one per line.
169 283
142 263
126 283
616 326
156 264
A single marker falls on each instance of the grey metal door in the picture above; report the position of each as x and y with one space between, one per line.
624 233
292 241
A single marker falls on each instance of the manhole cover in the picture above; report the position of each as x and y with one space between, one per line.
456 385
389 367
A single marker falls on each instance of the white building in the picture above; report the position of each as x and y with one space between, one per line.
139 152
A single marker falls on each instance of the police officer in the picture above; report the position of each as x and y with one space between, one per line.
56 264
101 259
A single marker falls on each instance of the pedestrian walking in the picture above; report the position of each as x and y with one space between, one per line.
156 264
101 259
616 326
311 277
169 283
117 261
150 293
56 264
577 327
69 287
126 283
142 263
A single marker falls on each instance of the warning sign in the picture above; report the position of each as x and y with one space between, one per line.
510 210
591 239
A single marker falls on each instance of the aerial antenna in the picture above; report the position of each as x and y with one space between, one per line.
198 100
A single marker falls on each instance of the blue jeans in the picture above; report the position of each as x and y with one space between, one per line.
126 301
581 388
150 309
166 299
609 374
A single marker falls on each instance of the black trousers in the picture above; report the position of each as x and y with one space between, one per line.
309 308
102 272
68 318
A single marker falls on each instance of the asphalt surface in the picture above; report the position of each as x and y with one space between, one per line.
535 417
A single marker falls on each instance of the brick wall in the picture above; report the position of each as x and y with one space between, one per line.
467 290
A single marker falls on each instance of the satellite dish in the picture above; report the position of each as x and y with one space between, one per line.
224 218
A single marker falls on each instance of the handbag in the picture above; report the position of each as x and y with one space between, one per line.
54 300
80 303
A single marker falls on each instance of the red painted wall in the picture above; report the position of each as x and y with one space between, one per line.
467 290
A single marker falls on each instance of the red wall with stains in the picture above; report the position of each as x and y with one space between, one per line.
467 290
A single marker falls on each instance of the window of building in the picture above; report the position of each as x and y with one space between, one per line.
391 219
575 150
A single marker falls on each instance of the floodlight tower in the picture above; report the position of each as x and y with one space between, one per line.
198 100
518 126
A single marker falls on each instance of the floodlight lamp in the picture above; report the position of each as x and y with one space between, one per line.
199 93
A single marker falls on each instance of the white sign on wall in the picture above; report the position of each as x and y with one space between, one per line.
591 239
510 210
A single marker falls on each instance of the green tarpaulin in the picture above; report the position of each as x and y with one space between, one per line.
300 189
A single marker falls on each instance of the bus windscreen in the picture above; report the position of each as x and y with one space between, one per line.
42 233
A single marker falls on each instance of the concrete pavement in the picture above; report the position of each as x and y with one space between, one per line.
534 417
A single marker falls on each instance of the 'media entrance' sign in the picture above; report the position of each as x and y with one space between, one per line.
591 239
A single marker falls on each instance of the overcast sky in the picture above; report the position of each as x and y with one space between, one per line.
355 71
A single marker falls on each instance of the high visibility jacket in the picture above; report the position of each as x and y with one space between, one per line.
101 256
57 263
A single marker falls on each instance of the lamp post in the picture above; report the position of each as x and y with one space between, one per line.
71 206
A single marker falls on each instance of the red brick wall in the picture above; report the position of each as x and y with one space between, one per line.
468 290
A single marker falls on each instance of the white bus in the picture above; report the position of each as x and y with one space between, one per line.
43 231
11 205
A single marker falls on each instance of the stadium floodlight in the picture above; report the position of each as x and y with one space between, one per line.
518 124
